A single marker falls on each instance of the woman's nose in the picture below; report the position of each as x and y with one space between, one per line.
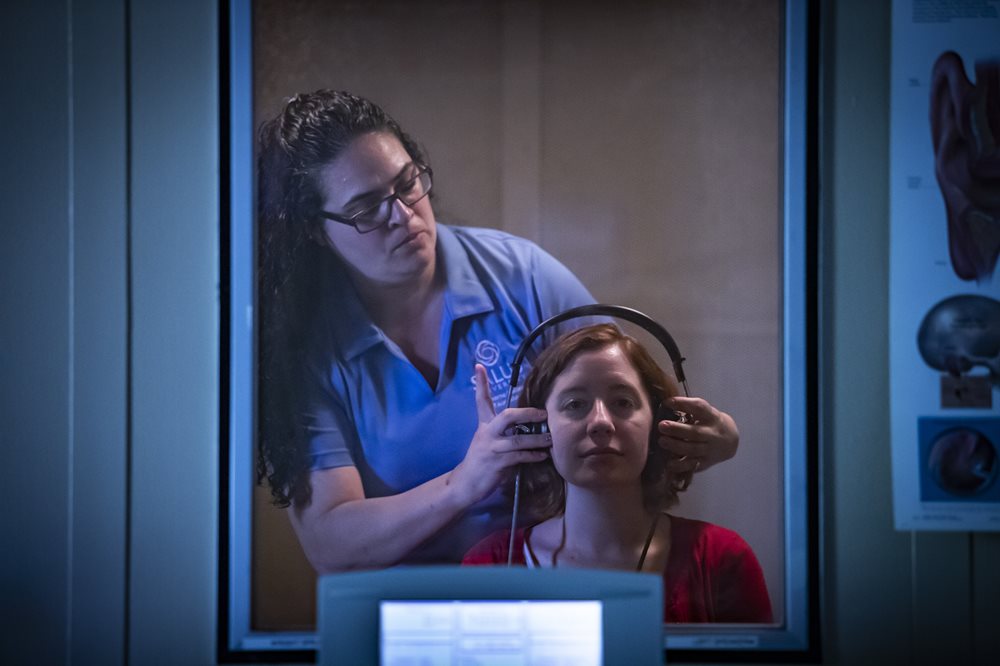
600 419
401 213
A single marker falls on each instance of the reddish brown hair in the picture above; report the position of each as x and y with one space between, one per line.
543 491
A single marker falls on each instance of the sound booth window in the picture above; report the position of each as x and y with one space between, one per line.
657 150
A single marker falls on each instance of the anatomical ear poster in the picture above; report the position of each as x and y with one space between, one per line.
944 290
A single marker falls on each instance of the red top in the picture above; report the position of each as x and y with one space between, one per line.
712 574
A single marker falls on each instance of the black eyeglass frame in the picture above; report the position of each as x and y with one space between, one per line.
352 221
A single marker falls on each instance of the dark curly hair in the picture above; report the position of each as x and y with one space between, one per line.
542 488
310 132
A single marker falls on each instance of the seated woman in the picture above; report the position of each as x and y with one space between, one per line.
598 501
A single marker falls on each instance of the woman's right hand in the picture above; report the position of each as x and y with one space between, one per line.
494 450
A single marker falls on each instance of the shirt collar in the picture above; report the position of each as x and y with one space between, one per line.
354 329
465 296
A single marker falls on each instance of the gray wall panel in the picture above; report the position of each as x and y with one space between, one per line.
868 572
35 341
985 606
100 332
174 248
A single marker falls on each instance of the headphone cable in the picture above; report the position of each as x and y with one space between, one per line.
513 518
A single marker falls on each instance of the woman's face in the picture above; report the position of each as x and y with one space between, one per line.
600 420
367 171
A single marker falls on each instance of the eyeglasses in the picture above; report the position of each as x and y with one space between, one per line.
409 192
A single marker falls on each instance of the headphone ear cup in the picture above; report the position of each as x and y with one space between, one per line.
664 413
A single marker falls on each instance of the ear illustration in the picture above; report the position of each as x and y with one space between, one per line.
965 125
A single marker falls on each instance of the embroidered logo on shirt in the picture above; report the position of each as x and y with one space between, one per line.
487 353
498 374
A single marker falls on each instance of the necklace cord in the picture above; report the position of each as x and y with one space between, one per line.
649 540
642 556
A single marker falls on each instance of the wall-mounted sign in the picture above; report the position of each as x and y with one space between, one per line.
943 282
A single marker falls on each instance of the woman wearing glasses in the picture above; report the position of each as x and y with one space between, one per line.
373 321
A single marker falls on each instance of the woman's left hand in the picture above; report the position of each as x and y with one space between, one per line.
705 436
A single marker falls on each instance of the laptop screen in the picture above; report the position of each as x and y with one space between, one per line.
490 632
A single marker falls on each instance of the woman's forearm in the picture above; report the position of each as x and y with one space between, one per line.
359 532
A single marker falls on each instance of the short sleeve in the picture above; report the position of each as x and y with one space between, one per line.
558 289
324 424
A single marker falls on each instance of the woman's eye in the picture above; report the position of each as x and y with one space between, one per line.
573 405
626 405
364 209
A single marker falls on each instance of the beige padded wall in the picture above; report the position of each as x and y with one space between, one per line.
638 142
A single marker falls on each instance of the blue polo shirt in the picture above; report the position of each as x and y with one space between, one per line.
371 408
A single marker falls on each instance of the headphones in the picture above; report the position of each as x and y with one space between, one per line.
650 325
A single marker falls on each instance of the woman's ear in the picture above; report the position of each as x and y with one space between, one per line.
317 233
